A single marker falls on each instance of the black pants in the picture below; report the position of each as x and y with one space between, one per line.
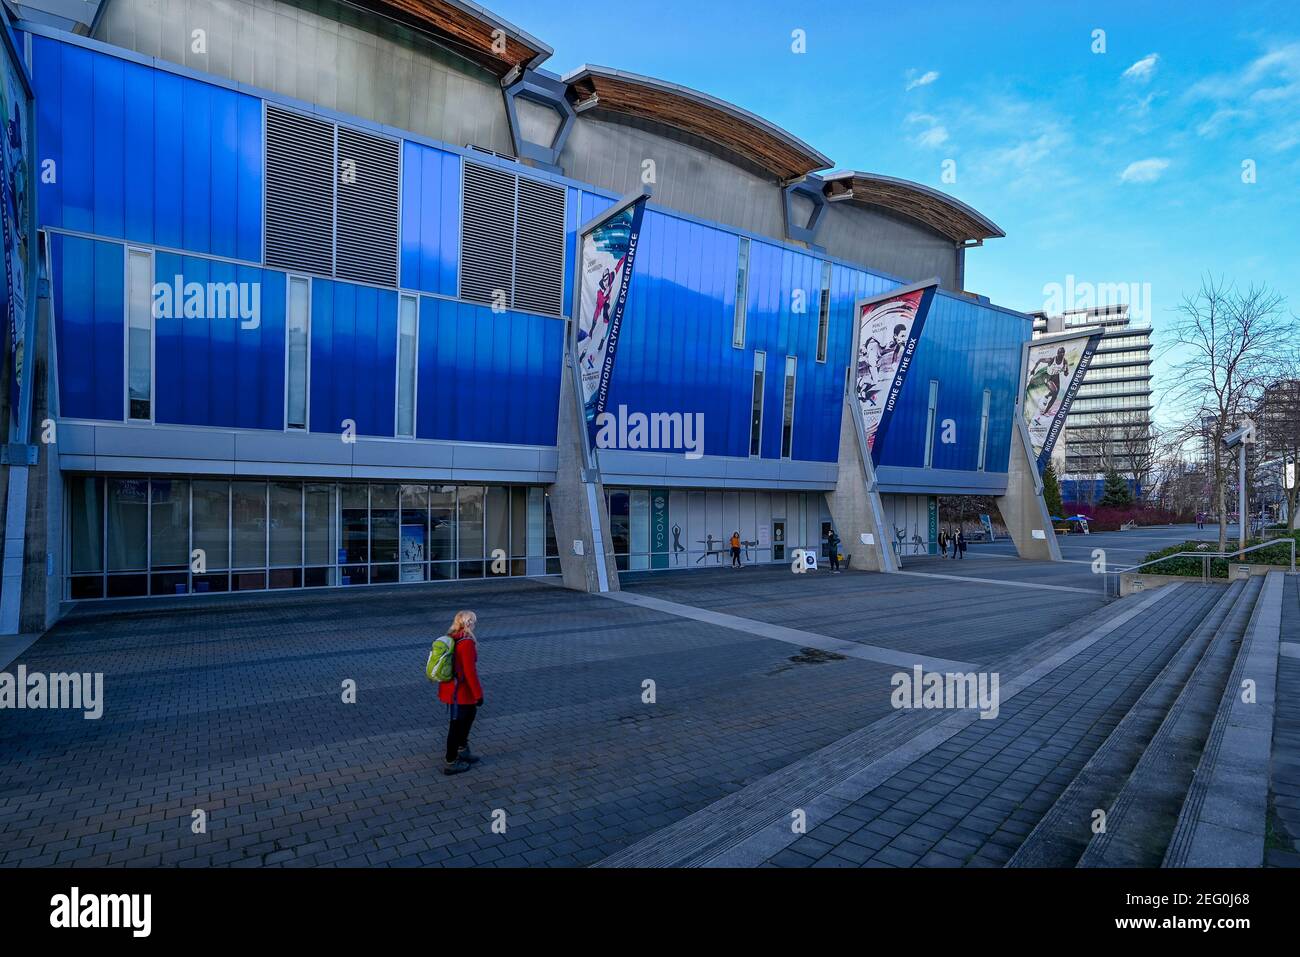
458 730
735 557
835 559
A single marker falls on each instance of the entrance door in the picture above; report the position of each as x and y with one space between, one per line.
778 541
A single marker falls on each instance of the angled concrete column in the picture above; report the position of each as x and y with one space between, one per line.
855 505
1023 510
578 508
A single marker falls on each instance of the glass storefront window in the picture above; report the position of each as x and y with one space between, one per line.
470 530
128 520
286 524
414 532
442 526
497 525
248 524
383 524
354 526
129 537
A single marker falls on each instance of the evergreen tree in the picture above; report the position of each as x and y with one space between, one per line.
1052 492
1116 492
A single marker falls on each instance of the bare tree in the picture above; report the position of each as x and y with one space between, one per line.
1225 345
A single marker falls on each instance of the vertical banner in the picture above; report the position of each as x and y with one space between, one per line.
887 330
1054 370
15 214
660 527
606 256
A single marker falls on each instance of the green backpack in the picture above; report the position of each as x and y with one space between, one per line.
439 667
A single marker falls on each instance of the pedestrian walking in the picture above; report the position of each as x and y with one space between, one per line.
462 694
833 546
943 544
735 549
961 543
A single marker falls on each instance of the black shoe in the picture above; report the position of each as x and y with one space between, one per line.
455 767
464 754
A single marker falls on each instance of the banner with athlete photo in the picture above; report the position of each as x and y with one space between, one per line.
887 330
16 216
608 252
1054 370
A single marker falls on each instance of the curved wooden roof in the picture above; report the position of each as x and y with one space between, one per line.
469 29
755 139
939 211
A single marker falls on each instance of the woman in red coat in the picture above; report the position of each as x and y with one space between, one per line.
463 694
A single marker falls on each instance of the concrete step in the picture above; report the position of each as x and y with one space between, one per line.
752 825
1060 838
1222 822
1141 817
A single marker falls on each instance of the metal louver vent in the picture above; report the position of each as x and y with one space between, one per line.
539 249
487 236
299 192
368 208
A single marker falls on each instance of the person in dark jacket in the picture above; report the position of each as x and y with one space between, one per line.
961 543
833 548
943 544
463 694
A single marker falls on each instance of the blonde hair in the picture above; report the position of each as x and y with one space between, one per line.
463 624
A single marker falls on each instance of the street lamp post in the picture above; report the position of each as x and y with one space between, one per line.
1244 436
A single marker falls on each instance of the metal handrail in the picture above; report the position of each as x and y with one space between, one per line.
1207 557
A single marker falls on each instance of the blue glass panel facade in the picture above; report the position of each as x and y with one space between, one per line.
968 347
88 283
214 370
151 157
353 357
431 197
487 377
145 155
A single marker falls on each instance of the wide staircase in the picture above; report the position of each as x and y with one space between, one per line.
1183 779
1140 736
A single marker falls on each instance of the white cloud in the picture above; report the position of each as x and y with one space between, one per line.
1218 120
1143 69
925 79
1261 100
935 133
934 137
1144 171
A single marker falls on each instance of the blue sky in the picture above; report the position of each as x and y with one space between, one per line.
1115 167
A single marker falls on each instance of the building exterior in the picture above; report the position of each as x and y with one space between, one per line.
310 284
1271 461
1109 424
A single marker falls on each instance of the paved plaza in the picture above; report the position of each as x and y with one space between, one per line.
235 707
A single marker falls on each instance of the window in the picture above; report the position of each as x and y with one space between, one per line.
787 409
932 410
984 427
756 415
824 313
298 326
742 295
407 335
139 335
